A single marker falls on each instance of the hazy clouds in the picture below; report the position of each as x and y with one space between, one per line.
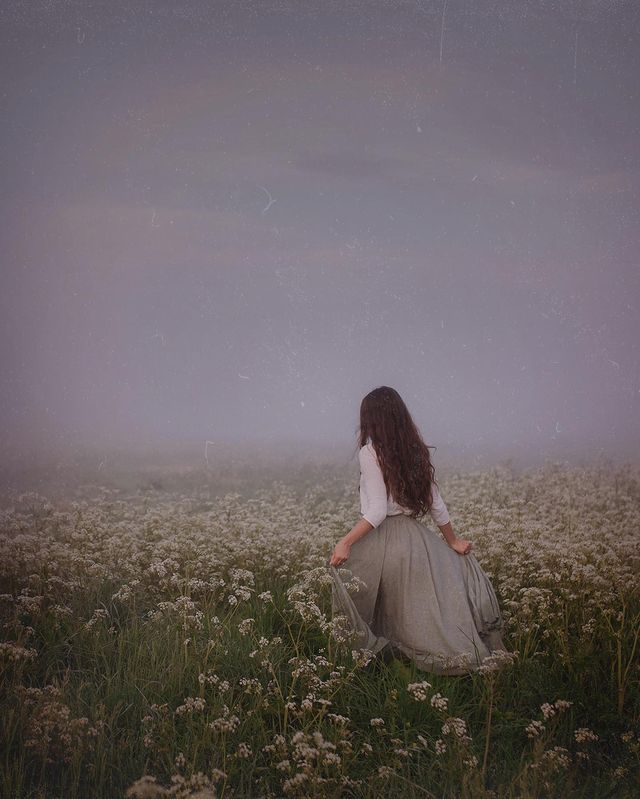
233 219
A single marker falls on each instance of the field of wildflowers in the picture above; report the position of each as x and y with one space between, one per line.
160 642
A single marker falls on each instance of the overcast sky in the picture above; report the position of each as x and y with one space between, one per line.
234 219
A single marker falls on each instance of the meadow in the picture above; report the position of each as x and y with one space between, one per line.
171 639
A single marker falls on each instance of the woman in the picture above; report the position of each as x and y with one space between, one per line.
421 596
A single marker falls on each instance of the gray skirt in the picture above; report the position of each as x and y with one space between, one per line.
415 596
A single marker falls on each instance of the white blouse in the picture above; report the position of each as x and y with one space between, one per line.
375 506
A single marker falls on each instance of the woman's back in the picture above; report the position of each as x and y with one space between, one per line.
375 505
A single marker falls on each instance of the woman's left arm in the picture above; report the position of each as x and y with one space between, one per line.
343 547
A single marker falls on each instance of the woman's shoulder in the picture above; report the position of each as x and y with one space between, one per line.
367 451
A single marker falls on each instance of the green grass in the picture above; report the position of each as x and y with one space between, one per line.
97 707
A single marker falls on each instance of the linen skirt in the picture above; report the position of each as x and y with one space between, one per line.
416 596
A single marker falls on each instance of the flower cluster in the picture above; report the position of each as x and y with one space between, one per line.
52 732
418 690
167 562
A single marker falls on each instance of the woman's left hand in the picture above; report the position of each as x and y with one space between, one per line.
461 546
340 553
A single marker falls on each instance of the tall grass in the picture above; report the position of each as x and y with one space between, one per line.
182 645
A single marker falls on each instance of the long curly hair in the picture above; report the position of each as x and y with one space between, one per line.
403 456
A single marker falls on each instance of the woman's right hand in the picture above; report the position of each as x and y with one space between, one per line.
461 546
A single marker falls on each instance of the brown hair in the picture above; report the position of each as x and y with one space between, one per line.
403 456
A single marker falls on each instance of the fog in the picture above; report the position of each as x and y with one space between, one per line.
229 221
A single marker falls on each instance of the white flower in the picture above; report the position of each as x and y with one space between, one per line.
583 734
192 704
534 729
418 690
244 750
245 626
440 702
547 710
455 725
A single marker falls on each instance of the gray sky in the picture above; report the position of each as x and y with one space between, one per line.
233 219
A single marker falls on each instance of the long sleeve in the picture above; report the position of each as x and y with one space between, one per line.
373 491
438 510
